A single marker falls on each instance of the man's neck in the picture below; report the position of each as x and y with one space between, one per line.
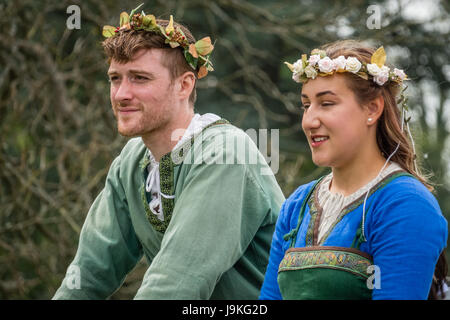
163 141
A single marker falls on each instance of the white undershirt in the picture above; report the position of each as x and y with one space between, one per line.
333 203
152 185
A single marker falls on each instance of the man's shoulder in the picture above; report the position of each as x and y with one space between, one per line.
225 134
133 150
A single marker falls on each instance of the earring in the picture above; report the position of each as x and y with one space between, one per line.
370 119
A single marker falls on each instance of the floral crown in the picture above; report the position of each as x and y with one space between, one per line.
319 64
196 54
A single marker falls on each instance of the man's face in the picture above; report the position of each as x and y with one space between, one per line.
142 94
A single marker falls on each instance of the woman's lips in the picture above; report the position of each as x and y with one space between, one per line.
317 140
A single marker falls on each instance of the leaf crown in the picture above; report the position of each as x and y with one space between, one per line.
196 54
319 64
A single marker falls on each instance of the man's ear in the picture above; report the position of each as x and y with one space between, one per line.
187 84
374 109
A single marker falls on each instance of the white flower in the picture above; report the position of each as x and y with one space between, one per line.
352 65
313 59
339 63
326 65
381 78
310 72
399 73
298 67
296 76
385 69
373 69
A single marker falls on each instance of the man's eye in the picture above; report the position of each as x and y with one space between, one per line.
327 103
113 79
140 78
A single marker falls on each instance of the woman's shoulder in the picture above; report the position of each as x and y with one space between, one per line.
407 187
406 198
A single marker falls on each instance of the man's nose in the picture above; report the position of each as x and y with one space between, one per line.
123 91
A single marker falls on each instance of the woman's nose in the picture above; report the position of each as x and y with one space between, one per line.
310 119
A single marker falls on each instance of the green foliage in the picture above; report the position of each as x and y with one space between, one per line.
58 135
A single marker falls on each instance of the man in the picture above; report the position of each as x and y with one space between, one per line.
180 193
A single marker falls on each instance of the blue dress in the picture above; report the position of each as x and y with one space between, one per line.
404 229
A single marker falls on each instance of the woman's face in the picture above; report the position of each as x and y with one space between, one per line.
334 122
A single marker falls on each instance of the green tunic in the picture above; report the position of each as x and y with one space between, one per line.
215 239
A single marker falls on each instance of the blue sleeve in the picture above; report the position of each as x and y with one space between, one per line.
406 235
270 289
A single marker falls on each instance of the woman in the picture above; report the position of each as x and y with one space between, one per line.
371 229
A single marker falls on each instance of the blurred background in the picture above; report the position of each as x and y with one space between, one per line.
58 135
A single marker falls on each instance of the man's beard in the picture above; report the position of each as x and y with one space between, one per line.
146 124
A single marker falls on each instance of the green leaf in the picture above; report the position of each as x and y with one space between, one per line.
108 31
124 19
135 9
193 62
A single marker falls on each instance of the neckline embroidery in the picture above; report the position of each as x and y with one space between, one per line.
167 182
316 210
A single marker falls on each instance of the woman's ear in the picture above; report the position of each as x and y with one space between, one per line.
374 109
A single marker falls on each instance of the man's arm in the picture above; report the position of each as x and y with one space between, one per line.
108 247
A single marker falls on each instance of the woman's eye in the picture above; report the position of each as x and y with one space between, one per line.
327 103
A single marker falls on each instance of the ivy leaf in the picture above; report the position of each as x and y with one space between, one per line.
193 62
108 31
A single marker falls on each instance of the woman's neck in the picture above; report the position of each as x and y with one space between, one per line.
350 178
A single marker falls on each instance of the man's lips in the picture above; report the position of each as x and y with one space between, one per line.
318 140
127 110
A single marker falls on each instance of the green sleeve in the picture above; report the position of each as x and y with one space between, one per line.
217 215
108 247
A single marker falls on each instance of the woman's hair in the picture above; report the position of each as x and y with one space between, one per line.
389 127
124 46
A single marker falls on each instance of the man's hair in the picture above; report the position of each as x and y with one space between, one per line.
124 45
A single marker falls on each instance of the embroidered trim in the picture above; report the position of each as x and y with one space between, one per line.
315 214
346 259
316 210
167 181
